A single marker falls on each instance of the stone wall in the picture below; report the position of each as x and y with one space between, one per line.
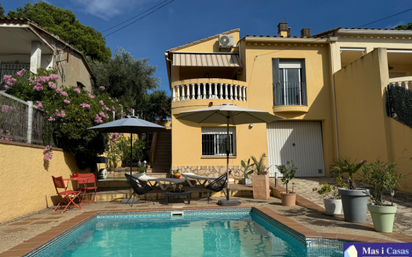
210 171
119 172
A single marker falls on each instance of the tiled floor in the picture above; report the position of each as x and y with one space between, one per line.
25 234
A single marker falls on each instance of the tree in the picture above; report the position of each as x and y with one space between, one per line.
1 11
154 106
125 77
64 24
404 27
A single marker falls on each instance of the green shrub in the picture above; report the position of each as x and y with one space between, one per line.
288 171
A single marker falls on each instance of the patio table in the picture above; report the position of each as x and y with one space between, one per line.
177 193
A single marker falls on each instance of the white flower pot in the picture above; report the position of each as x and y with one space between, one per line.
332 206
246 182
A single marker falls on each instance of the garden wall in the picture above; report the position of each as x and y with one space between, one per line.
365 130
26 184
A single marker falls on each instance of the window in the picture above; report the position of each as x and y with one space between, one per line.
289 82
80 85
11 68
214 141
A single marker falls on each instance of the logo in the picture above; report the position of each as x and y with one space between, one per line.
377 249
351 252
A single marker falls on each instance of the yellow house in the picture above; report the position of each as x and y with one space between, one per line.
330 87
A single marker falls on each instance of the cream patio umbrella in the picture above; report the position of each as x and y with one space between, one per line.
229 114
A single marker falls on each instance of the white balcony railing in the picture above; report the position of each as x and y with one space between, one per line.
405 82
192 91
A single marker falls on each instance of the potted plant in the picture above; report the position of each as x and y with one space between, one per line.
176 173
331 197
381 177
288 172
260 182
141 170
247 172
354 200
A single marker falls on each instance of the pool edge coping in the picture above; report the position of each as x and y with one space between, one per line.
32 244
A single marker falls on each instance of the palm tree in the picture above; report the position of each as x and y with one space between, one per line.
154 106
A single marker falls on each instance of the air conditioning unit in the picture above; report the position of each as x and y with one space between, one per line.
226 41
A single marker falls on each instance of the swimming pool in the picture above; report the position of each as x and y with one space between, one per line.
229 232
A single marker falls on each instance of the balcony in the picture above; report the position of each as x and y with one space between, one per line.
206 88
290 97
405 82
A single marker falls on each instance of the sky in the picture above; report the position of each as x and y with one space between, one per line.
184 21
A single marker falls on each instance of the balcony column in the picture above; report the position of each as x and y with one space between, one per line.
221 91
210 91
174 94
235 89
193 91
407 84
226 93
244 94
35 57
215 94
188 91
178 92
231 91
183 92
240 93
204 90
198 91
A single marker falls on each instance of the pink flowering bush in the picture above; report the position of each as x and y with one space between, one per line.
69 112
39 105
48 153
102 88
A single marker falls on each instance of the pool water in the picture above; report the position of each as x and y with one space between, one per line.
224 233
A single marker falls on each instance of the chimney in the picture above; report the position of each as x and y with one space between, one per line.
283 29
305 32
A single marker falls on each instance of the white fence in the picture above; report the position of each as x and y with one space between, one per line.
20 121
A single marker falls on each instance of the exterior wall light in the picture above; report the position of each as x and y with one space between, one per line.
250 126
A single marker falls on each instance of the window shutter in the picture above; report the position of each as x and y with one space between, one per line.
304 97
277 86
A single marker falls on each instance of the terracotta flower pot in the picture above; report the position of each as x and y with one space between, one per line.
288 199
177 175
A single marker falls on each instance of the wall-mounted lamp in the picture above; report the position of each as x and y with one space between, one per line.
250 126
210 104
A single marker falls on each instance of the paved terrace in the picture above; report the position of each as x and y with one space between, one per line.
24 234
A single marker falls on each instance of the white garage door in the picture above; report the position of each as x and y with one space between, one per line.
297 141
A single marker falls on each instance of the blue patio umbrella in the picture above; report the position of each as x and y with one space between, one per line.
130 124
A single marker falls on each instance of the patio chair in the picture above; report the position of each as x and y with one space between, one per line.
190 177
138 189
218 185
163 183
67 196
84 179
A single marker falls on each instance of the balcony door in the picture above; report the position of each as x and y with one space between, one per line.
289 82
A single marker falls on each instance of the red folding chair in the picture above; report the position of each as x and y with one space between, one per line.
66 196
84 180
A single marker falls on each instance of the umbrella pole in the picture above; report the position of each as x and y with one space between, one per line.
131 149
227 158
